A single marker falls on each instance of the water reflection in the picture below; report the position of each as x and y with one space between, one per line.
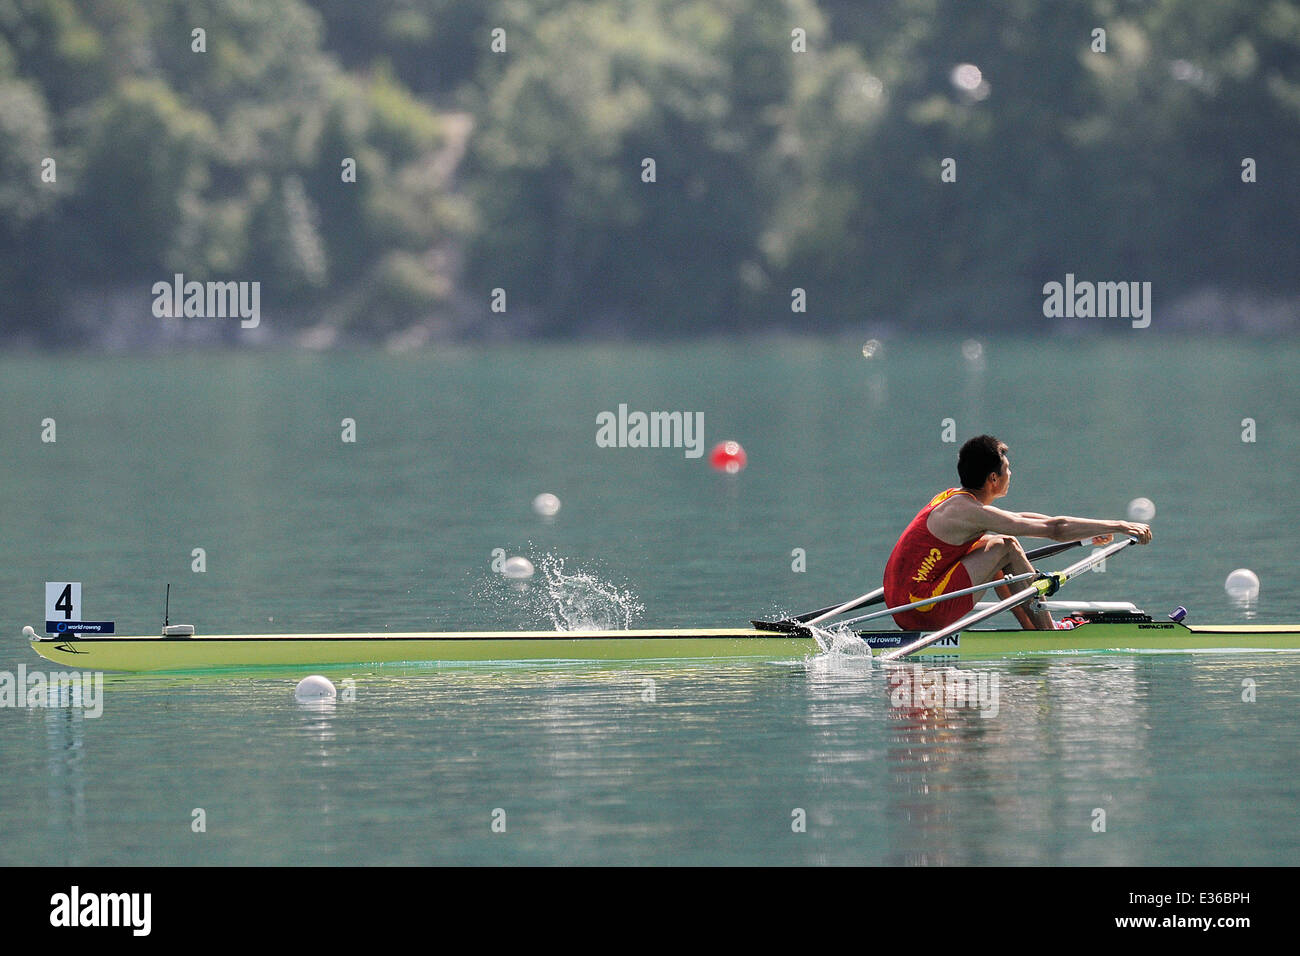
1025 785
1246 604
685 763
924 756
65 747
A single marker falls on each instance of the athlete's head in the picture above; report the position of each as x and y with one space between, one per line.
982 459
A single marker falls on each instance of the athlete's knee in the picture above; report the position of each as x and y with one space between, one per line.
1012 554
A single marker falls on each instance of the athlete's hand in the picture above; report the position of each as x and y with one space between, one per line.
1140 531
991 541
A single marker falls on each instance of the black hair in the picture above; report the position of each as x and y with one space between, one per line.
979 458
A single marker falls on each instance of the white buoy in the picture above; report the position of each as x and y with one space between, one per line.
973 351
517 568
314 687
1242 584
871 348
1141 509
546 505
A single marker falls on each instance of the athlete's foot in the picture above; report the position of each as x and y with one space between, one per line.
1070 623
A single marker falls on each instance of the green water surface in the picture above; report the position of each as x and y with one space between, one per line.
1186 759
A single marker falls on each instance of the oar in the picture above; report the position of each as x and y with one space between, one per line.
799 620
810 618
1046 586
1049 550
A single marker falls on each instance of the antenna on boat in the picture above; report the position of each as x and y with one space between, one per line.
170 629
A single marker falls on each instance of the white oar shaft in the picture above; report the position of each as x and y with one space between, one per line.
847 606
1086 564
1038 587
924 602
1020 597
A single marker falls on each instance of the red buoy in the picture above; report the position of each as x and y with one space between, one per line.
728 456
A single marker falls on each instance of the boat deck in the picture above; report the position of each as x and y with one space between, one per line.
200 652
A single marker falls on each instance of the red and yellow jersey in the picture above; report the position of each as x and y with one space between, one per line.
922 566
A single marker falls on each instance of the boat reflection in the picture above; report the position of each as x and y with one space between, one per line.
966 788
65 740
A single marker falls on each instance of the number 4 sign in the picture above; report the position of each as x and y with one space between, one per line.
63 611
63 601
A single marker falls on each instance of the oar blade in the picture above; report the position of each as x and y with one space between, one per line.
785 627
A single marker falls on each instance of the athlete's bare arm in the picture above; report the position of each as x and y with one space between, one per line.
964 518
1098 540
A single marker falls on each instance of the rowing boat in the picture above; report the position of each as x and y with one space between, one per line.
1104 628
200 652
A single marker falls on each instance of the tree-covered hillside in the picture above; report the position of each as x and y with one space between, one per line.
638 166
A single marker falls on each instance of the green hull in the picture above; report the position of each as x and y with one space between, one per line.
1101 637
291 650
236 651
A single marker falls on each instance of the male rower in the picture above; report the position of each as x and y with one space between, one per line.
959 540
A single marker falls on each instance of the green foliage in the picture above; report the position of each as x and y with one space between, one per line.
559 155
523 169
144 161
221 162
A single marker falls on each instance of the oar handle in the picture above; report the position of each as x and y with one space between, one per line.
1085 564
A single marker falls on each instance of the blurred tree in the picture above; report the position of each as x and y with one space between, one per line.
225 161
523 169
556 164
143 158
434 46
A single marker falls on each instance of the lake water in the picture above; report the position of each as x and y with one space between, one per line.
716 762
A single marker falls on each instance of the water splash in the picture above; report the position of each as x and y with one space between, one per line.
843 656
580 601
565 599
842 642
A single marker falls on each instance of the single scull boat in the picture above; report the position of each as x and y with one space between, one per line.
1096 627
1108 628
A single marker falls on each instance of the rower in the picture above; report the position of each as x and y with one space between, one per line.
959 540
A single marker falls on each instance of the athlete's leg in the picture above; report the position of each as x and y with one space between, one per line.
1019 612
995 556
